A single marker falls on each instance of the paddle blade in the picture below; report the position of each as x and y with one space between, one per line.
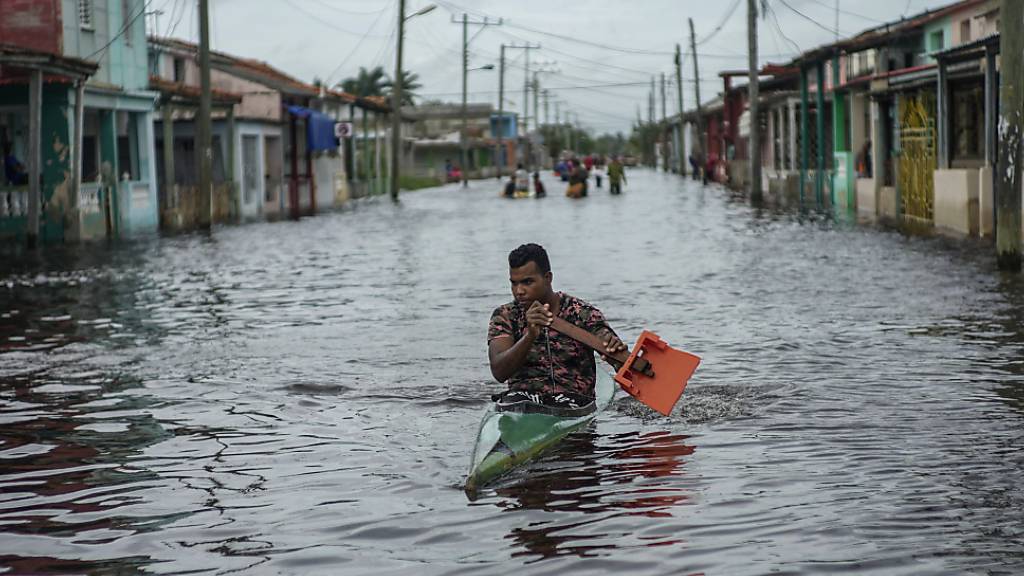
672 370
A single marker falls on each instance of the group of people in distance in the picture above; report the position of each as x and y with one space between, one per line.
573 171
518 185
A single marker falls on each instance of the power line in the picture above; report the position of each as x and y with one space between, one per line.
812 20
725 18
344 11
124 28
848 13
323 22
775 21
327 81
452 7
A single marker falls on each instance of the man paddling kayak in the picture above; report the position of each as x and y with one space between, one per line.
539 364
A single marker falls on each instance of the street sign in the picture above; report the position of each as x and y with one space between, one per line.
342 130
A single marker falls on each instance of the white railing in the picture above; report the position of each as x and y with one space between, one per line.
13 202
89 199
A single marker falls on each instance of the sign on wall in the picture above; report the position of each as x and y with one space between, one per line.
342 130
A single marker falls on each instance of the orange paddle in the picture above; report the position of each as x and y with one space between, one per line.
653 372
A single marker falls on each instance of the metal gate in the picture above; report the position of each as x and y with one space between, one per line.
918 143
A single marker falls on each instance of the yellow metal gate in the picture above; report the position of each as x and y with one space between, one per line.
918 143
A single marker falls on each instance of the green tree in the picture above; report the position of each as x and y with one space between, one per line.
366 83
410 84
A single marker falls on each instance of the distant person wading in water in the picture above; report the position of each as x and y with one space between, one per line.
616 176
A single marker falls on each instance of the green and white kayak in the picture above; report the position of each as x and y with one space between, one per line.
508 439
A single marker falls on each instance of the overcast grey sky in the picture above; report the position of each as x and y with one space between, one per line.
618 45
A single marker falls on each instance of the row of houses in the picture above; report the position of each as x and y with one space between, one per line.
98 130
897 122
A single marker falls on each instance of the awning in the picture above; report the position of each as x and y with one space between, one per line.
319 129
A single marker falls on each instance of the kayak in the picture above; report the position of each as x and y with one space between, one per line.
509 439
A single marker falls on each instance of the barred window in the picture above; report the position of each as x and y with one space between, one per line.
85 13
127 16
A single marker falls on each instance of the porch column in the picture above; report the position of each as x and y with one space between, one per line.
76 160
792 135
819 117
35 165
293 182
169 196
991 94
236 189
804 144
376 153
365 152
309 171
879 141
943 115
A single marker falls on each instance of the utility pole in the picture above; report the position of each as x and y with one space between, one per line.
464 168
650 103
700 111
499 152
1011 109
753 95
664 128
536 108
205 147
527 153
525 121
679 95
559 129
547 95
463 137
396 105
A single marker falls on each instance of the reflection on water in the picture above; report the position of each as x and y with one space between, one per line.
300 397
624 475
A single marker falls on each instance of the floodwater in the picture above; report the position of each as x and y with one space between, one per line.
302 397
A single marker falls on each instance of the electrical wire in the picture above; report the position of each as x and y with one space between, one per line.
322 21
725 18
124 28
330 77
812 20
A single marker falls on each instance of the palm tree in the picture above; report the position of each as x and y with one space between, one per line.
366 83
410 83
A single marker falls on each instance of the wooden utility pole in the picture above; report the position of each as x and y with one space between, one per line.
664 128
1011 111
463 136
396 105
547 96
699 144
536 108
524 119
204 129
499 151
35 147
753 96
463 145
679 94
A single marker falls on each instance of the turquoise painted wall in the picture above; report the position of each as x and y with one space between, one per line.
931 44
124 62
56 161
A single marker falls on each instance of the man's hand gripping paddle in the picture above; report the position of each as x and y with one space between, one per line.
653 372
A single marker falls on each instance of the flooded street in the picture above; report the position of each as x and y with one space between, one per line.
303 396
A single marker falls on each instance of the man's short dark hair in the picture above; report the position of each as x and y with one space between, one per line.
530 253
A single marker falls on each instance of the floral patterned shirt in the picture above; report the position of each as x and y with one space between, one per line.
555 362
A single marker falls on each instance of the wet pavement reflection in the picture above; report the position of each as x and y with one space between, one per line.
301 396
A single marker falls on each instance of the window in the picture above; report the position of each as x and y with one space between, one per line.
127 18
967 122
965 31
127 146
85 13
153 58
937 40
179 70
